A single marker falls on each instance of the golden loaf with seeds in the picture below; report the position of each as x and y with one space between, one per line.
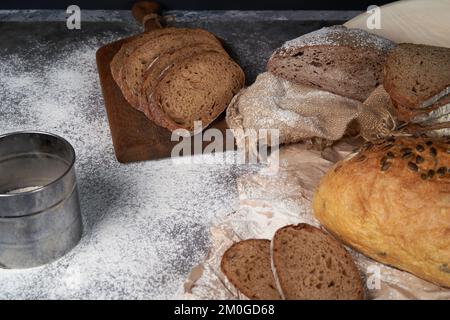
391 201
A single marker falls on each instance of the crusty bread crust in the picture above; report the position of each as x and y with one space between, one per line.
391 201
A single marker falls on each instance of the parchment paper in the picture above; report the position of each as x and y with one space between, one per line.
274 198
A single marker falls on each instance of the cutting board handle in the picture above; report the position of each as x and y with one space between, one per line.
147 14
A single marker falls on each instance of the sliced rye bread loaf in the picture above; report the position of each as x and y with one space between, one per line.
165 61
120 58
147 54
247 265
196 89
310 264
348 62
417 78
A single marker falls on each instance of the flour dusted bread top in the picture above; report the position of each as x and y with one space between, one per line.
348 62
391 201
336 36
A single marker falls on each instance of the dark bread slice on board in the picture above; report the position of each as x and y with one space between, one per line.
166 61
310 264
147 54
120 58
348 62
196 89
415 73
247 265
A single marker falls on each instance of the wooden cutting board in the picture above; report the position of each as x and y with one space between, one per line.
413 21
135 137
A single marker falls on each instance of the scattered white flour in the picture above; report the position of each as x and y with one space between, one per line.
145 224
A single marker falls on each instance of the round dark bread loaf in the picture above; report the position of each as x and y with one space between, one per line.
348 62
391 201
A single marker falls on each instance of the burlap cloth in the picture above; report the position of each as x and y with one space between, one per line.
301 112
273 198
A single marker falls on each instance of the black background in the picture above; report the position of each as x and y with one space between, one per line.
199 4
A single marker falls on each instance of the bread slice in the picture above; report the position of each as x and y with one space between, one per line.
417 80
120 58
165 61
416 73
348 62
311 264
197 89
147 54
247 265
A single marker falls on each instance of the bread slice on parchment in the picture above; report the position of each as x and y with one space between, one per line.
348 62
167 60
196 89
310 264
146 54
247 265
